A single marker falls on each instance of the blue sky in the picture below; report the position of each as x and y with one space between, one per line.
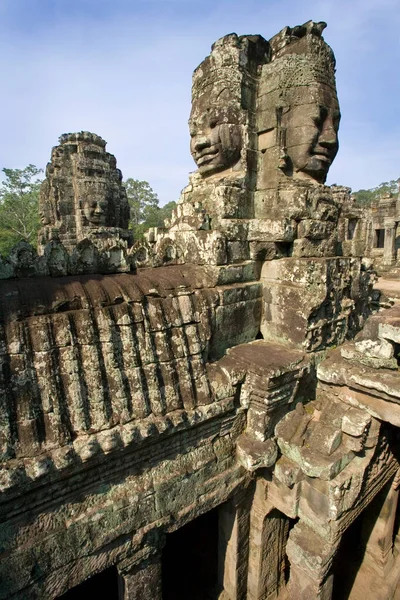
122 69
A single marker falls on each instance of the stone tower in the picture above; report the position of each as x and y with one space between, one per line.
82 196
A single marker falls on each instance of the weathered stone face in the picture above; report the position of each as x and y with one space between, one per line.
298 110
311 131
216 139
95 210
82 194
222 94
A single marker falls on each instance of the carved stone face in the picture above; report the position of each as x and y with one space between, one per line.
215 133
44 215
95 210
44 203
312 124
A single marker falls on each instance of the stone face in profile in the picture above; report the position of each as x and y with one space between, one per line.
317 121
298 110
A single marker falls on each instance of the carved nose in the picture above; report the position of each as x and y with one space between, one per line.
201 142
328 137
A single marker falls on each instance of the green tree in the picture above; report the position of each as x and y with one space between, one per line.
19 204
142 198
145 209
366 197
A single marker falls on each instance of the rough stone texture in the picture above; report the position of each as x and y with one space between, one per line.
313 302
372 231
82 195
144 385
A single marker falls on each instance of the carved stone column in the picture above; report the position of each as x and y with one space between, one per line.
141 580
310 559
268 535
389 252
233 541
378 527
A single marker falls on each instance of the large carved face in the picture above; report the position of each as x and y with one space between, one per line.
216 139
95 210
44 214
312 124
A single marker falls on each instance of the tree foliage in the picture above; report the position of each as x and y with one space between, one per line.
145 209
19 207
366 197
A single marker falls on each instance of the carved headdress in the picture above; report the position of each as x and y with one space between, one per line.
297 100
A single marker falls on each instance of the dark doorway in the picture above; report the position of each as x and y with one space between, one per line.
348 560
379 241
352 573
190 560
102 585
351 228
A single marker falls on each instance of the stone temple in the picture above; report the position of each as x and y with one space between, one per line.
214 412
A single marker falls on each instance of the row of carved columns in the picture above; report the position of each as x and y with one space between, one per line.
258 551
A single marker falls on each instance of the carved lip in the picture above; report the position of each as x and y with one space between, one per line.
326 157
207 155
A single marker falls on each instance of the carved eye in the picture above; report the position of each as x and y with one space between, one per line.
321 118
336 120
213 122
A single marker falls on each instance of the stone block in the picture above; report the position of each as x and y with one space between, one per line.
375 348
272 230
287 472
390 330
355 422
253 454
315 230
324 439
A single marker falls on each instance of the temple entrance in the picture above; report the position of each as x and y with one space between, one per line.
190 560
379 241
365 563
348 560
102 585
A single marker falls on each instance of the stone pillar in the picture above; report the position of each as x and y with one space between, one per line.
141 580
233 542
311 560
378 524
269 530
389 251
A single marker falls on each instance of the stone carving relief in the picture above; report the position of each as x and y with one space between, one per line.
82 195
180 370
216 139
221 98
299 112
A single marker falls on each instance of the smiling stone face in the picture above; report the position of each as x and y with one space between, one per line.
95 210
216 139
298 112
82 195
311 124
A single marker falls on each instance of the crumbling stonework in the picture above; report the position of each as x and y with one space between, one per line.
372 231
82 196
226 371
